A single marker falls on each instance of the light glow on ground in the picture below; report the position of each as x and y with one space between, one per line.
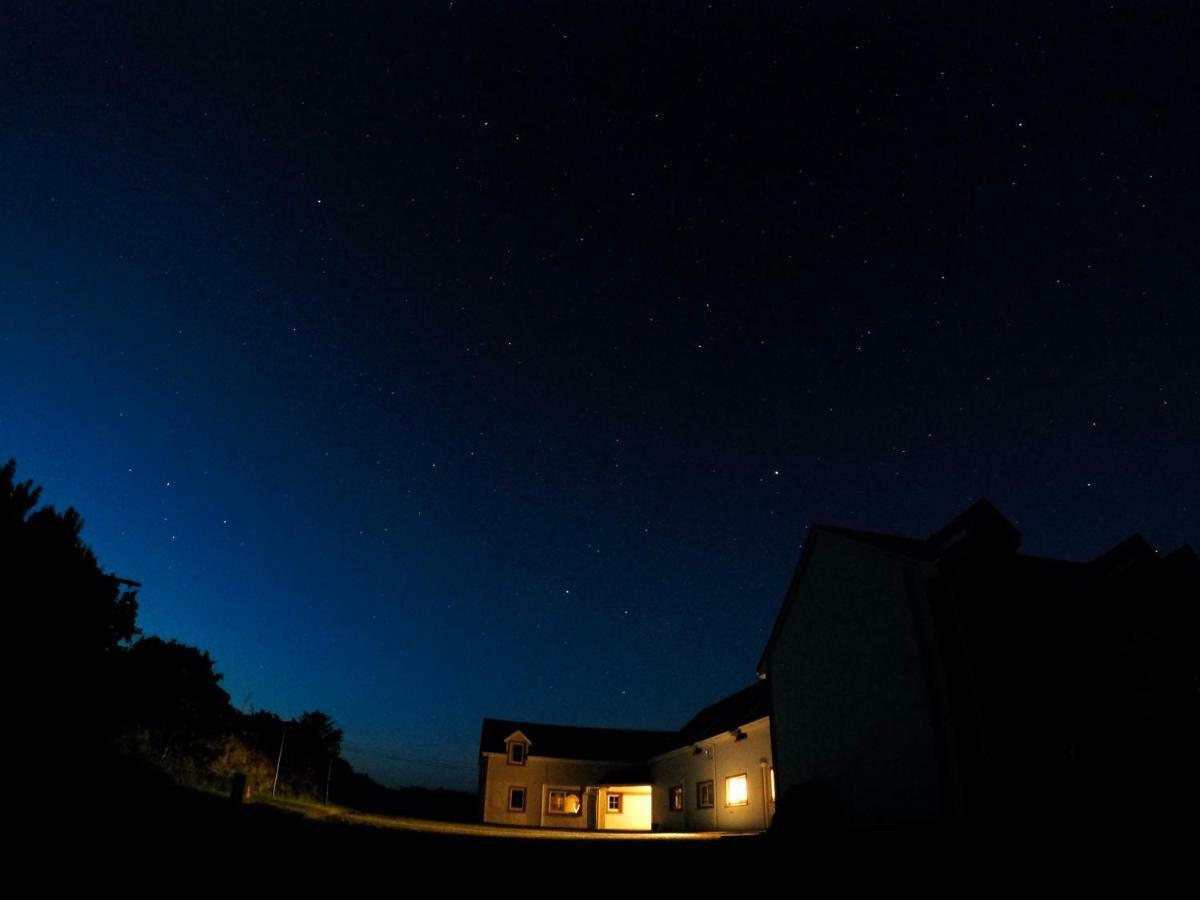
353 817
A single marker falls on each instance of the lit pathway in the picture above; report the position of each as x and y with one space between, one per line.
341 814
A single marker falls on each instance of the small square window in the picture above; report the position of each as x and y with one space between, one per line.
516 754
516 799
676 798
704 795
614 803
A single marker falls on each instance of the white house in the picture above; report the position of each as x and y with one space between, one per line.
714 774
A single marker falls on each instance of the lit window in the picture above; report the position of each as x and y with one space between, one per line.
516 799
516 753
564 803
736 793
614 803
704 794
677 798
772 784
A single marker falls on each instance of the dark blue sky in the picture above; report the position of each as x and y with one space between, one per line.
464 360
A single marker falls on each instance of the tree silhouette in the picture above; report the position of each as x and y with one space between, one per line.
316 732
78 620
171 692
78 617
154 699
58 584
313 742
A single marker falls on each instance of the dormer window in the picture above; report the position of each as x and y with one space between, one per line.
516 748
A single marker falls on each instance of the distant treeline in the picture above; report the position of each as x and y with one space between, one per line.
97 687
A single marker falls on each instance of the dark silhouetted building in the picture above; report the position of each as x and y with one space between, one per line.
953 677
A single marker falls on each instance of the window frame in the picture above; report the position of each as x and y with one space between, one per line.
745 781
513 745
620 798
565 792
700 786
676 794
524 798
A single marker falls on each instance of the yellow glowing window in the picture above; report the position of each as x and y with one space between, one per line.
736 793
564 803
772 785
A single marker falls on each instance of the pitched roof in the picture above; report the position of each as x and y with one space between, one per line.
981 527
892 543
981 519
572 742
622 745
745 706
982 533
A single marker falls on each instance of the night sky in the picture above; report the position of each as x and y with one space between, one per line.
442 361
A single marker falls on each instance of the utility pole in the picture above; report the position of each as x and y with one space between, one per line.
279 762
328 776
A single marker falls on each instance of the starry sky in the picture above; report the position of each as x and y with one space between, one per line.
429 362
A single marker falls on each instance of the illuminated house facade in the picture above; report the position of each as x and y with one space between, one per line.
952 677
714 774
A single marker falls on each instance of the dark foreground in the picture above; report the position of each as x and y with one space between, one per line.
141 822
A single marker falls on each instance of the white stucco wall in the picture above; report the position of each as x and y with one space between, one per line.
721 757
850 699
635 808
538 776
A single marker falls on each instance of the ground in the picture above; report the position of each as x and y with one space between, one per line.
148 831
